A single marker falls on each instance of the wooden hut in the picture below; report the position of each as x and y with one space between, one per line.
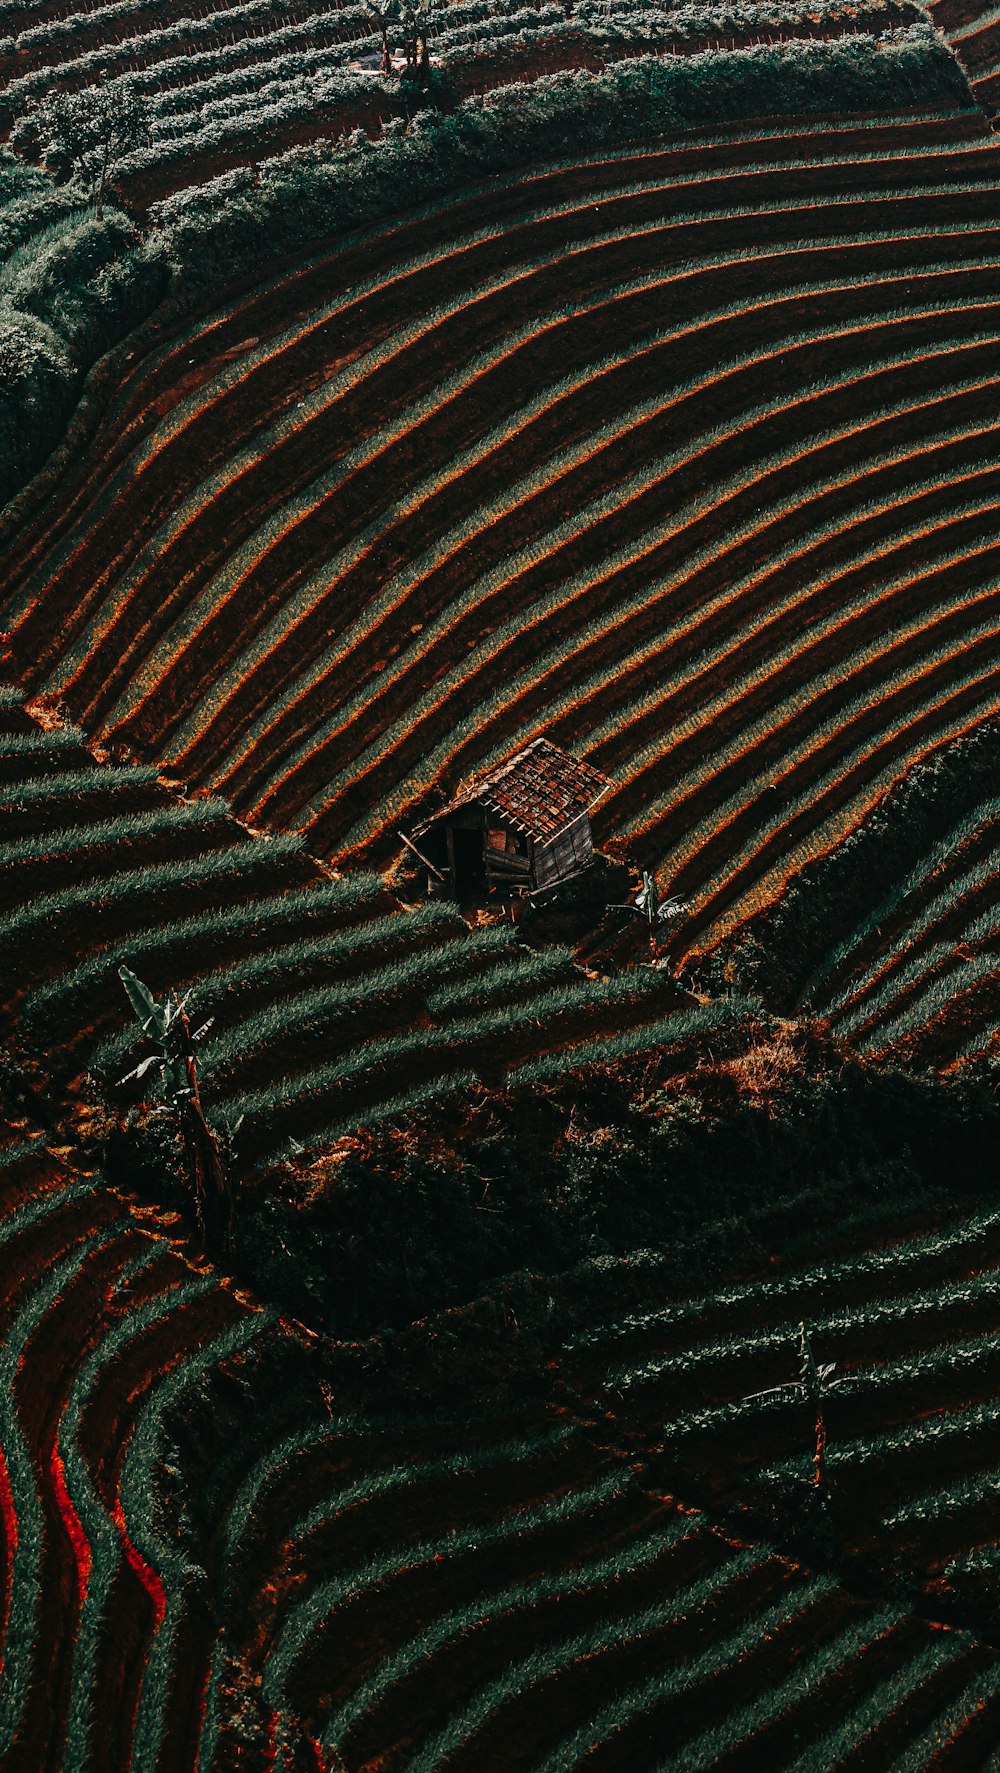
524 826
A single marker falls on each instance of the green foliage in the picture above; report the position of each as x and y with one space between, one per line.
603 1163
71 285
85 134
214 231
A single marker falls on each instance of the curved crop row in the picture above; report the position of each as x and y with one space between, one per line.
329 1003
768 513
910 1336
224 82
926 982
99 1307
205 1563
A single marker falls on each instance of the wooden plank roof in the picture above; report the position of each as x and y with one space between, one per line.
538 790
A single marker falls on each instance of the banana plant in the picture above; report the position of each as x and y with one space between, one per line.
655 908
814 1384
172 1063
163 1025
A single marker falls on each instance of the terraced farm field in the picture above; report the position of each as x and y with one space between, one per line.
919 973
224 84
911 1329
971 30
590 1357
332 1004
692 441
520 1572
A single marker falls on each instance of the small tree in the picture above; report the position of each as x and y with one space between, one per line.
86 134
814 1384
172 1063
412 20
650 904
385 17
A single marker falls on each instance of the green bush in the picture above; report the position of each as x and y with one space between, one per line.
70 287
215 232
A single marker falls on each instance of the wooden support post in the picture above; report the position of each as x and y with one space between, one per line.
420 858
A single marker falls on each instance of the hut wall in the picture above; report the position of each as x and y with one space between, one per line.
565 854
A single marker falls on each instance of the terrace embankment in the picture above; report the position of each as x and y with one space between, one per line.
686 456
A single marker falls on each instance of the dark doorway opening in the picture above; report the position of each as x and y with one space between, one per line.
470 868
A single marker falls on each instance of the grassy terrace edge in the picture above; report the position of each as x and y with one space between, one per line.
75 286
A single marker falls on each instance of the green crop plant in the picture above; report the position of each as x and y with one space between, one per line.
860 1728
433 764
975 1697
322 903
895 1268
848 760
508 978
37 746
372 1484
765 1624
956 1359
452 1080
133 887
306 596
938 1505
739 1730
577 525
159 1549
118 835
320 1011
940 977
70 785
301 200
599 1571
955 1435
645 1037
21 1638
609 1634
875 1314
965 884
972 823
327 1598
456 1036
771 670
425 940
103 1536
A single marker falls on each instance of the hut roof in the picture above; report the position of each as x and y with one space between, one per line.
539 790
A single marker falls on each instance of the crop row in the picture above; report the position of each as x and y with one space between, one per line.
98 1306
285 67
328 1002
909 1334
678 592
408 593
894 994
288 437
240 374
233 1569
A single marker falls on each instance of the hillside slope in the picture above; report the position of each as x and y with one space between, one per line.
218 1555
331 1003
693 440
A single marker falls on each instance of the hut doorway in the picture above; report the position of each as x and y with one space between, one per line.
469 863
